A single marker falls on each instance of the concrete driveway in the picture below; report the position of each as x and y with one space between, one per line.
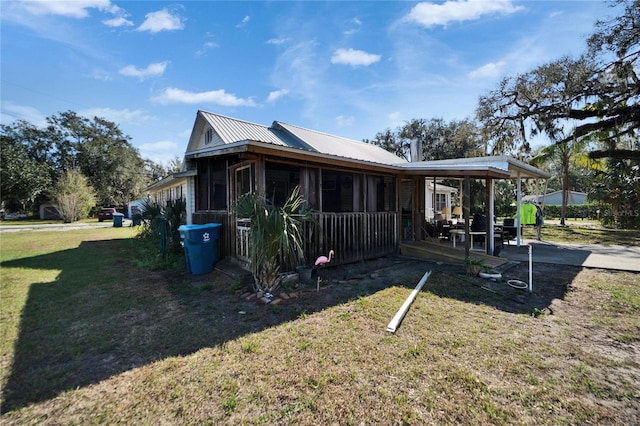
623 258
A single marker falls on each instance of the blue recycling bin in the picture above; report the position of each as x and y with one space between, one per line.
117 220
200 246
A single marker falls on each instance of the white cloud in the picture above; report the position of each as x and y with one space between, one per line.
205 47
120 21
172 95
72 9
244 21
300 68
277 41
101 75
12 112
354 57
118 116
431 14
277 94
150 71
357 24
162 20
395 119
161 152
490 70
343 121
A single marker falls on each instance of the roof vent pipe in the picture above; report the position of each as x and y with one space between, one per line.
415 147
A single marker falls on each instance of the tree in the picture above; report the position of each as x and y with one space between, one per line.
97 147
175 165
618 187
103 154
438 139
594 97
155 172
22 179
414 131
563 152
591 94
388 140
74 196
455 139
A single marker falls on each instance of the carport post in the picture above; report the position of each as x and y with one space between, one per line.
466 211
518 202
490 246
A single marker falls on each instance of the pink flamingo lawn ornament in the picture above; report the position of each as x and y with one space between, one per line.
322 260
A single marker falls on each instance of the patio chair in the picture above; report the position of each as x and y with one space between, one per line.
510 232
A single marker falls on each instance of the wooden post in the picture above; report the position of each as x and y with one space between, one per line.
488 213
466 213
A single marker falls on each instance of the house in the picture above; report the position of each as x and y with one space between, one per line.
135 207
366 200
49 212
170 188
441 198
555 197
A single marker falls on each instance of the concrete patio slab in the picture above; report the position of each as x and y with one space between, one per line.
617 257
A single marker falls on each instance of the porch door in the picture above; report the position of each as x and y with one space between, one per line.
406 209
242 176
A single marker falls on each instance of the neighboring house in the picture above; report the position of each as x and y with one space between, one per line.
172 187
442 199
555 197
49 212
135 207
365 199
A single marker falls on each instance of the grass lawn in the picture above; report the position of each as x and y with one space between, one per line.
584 231
88 337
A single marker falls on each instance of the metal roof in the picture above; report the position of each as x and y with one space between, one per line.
233 130
339 146
237 134
508 167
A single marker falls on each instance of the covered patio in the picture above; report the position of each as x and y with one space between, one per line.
487 169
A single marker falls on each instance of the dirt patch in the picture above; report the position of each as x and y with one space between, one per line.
339 284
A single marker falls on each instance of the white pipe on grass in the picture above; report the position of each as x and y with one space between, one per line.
395 321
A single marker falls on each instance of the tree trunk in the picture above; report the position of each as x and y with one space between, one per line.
564 158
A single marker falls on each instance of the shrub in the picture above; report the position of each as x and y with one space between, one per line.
74 196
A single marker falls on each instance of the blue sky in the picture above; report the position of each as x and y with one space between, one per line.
347 68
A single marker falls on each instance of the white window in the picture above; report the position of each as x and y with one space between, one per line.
441 202
208 136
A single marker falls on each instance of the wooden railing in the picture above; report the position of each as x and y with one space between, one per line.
243 244
352 236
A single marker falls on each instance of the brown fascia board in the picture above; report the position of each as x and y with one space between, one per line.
288 153
327 160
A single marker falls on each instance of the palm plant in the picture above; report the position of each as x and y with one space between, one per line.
565 152
174 213
276 235
163 223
